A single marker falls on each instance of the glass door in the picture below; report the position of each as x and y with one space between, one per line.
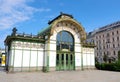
65 61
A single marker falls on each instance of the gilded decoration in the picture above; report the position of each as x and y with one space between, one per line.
74 25
28 45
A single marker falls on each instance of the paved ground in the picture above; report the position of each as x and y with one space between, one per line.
62 76
1 69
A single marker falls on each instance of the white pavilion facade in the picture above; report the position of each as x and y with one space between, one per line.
59 47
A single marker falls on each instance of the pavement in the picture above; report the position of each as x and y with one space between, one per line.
2 69
61 76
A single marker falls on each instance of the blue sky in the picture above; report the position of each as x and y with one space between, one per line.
30 16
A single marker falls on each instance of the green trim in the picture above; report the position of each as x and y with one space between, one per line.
22 60
27 49
74 61
89 45
81 58
37 61
48 54
13 59
44 50
47 63
30 60
45 30
9 39
9 56
28 40
65 63
46 67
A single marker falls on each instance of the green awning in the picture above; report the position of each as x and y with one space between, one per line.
45 30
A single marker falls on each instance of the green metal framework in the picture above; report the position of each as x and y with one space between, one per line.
65 59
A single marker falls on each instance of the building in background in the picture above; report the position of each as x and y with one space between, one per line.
58 47
107 41
2 50
2 57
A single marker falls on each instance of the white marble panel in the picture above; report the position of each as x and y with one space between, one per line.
92 59
77 59
40 58
18 58
26 58
52 59
88 59
84 59
33 61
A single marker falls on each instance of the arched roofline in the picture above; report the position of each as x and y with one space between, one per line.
79 26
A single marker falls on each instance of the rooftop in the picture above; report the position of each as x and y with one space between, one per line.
105 28
109 27
61 13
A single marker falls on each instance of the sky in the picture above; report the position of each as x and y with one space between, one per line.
31 16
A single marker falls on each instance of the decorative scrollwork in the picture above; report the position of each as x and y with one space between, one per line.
27 45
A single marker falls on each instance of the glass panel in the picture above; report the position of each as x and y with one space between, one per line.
66 59
71 58
65 41
57 59
62 59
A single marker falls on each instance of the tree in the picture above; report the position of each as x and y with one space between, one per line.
96 60
105 58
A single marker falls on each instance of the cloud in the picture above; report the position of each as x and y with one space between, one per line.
3 35
15 11
44 10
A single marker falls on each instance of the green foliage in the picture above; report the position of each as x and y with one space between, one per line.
96 60
109 66
105 58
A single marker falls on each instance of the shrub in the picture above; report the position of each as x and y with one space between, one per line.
108 66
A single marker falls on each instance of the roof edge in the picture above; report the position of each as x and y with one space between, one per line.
61 13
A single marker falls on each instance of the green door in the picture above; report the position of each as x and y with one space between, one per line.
65 61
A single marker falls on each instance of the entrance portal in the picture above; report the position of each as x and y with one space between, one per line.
65 61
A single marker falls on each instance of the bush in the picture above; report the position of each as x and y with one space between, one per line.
109 66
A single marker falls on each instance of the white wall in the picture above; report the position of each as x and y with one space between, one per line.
52 56
78 59
52 53
17 58
26 54
88 57
30 54
26 59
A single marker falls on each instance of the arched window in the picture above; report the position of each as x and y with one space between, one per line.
65 41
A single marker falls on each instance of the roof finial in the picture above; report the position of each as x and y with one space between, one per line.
61 13
14 31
